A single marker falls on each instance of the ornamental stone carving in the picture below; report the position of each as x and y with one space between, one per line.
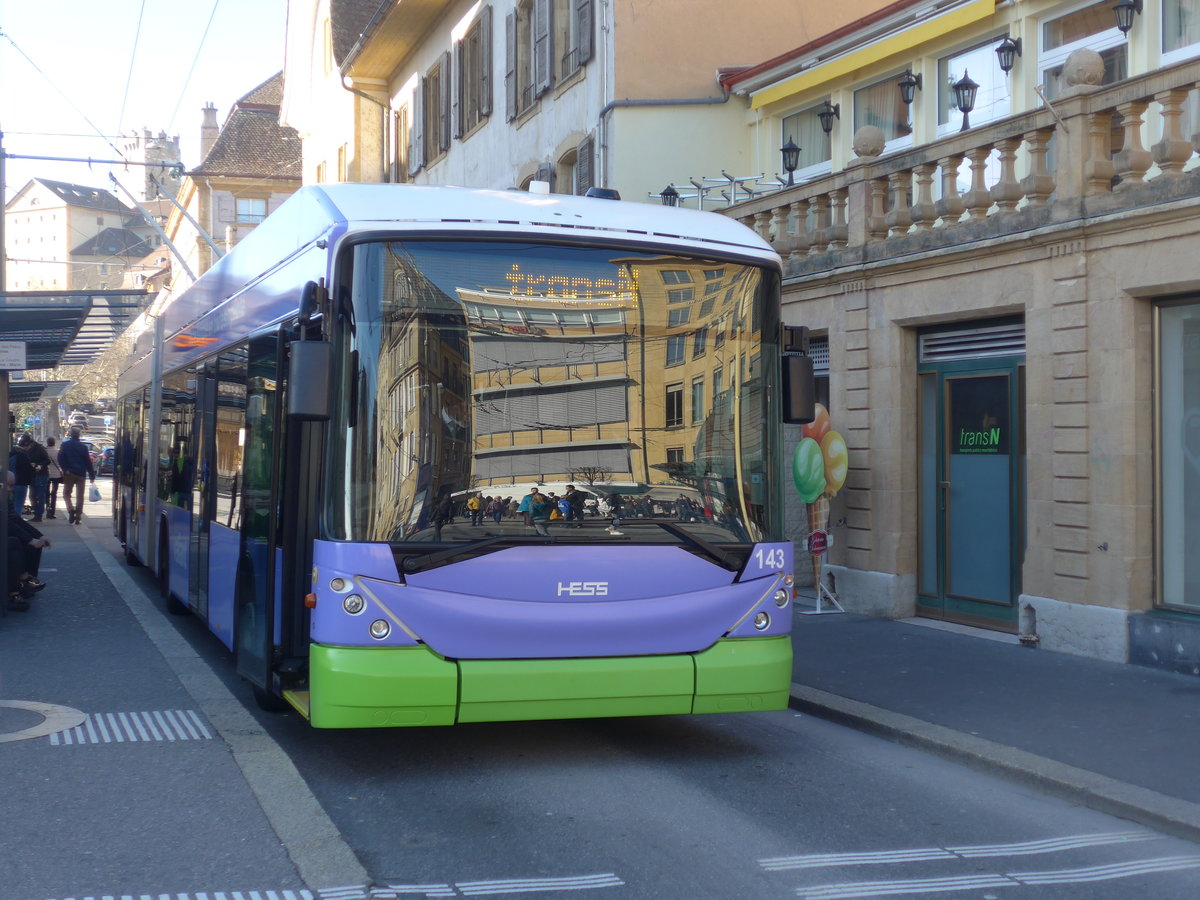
868 141
1084 69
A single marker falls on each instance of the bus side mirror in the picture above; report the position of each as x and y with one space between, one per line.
799 383
309 376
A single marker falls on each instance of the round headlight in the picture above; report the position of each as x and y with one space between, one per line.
761 621
781 598
380 629
337 584
354 604
789 579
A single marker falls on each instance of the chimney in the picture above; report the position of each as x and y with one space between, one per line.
208 130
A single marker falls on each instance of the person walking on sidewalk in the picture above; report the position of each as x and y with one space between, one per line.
55 474
76 465
41 478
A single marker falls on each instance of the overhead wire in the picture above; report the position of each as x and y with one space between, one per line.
132 59
183 90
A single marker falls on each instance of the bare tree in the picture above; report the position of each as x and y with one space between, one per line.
590 474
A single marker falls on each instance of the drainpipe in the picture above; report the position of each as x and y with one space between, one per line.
602 120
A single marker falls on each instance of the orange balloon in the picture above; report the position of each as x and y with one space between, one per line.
818 427
837 461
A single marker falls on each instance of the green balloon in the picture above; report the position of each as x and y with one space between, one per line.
808 470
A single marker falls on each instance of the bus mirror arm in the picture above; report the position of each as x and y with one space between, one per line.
799 383
309 373
314 300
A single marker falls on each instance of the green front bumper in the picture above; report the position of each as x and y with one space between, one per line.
375 687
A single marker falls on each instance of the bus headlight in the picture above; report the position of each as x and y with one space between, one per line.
781 598
380 629
761 621
789 579
337 584
354 604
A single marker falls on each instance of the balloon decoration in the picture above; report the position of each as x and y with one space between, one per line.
819 466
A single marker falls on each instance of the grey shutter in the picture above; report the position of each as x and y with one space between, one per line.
416 144
510 66
583 21
585 166
485 62
444 101
458 107
545 172
543 47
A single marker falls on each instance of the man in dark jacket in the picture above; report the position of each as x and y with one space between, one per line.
76 465
41 478
25 545
23 474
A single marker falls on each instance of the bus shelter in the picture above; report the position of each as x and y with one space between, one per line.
46 330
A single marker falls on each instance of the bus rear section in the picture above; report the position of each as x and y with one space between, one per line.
545 632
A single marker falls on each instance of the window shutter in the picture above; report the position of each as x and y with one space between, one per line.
543 47
584 166
459 106
485 62
545 172
510 66
444 101
416 146
585 26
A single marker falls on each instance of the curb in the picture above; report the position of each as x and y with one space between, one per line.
1169 815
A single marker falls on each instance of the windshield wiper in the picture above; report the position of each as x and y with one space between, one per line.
712 551
413 564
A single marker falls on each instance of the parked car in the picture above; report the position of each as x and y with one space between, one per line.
106 462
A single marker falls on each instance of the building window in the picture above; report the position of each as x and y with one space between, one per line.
473 61
327 46
1092 28
698 400
676 276
699 342
528 43
435 101
675 455
1180 30
991 101
675 349
341 163
678 316
804 130
401 141
880 105
575 168
1178 412
251 210
573 34
321 173
674 405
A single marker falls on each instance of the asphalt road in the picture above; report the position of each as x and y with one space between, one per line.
765 805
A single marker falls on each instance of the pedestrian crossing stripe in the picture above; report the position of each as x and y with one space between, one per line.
135 727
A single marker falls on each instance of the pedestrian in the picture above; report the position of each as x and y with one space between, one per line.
475 508
574 508
536 510
41 478
55 479
76 465
25 545
614 510
23 472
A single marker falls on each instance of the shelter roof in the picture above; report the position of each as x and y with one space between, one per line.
66 328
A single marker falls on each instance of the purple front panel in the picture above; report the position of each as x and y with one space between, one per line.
549 602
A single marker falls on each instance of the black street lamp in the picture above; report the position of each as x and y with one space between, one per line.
1123 11
827 114
791 159
964 97
909 84
1007 52
669 196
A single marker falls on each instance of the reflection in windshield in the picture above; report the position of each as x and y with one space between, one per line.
476 372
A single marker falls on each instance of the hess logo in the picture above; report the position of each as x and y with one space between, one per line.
583 588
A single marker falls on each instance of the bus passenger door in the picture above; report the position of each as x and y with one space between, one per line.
255 612
202 490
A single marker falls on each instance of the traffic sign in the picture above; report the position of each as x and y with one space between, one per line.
12 355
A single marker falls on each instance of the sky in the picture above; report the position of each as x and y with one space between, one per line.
76 73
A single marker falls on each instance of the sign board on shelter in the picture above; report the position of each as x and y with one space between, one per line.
12 356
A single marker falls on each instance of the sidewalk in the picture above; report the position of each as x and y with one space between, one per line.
1118 738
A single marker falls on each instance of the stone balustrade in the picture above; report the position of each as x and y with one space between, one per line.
1085 156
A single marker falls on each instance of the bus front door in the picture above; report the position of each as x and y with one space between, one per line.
261 462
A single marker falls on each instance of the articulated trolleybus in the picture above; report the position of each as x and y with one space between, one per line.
330 443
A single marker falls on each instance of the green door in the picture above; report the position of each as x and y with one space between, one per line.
971 476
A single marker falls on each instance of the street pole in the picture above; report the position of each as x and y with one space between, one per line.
4 499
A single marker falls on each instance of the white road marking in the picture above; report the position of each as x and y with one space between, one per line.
204 895
1083 875
1025 848
529 885
54 718
108 728
411 890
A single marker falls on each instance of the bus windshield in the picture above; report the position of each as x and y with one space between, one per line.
473 372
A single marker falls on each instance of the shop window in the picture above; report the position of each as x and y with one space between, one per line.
1179 438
